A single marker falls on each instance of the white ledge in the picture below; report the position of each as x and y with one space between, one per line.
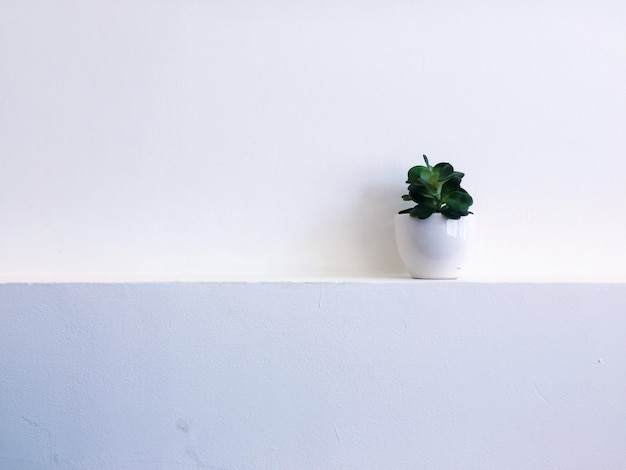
63 278
492 373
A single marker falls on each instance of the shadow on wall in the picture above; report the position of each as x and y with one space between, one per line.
361 241
375 211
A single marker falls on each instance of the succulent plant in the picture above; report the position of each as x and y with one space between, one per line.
437 189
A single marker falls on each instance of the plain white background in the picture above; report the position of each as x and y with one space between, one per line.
273 138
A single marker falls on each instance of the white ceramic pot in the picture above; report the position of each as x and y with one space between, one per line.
432 248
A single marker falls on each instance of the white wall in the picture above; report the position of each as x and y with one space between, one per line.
369 375
272 138
180 139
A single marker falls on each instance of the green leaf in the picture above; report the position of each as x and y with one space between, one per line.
420 186
433 180
414 175
426 160
423 211
426 174
405 211
455 175
458 200
423 189
450 186
451 213
407 197
444 170
421 198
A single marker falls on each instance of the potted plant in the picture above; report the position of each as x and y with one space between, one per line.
432 236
